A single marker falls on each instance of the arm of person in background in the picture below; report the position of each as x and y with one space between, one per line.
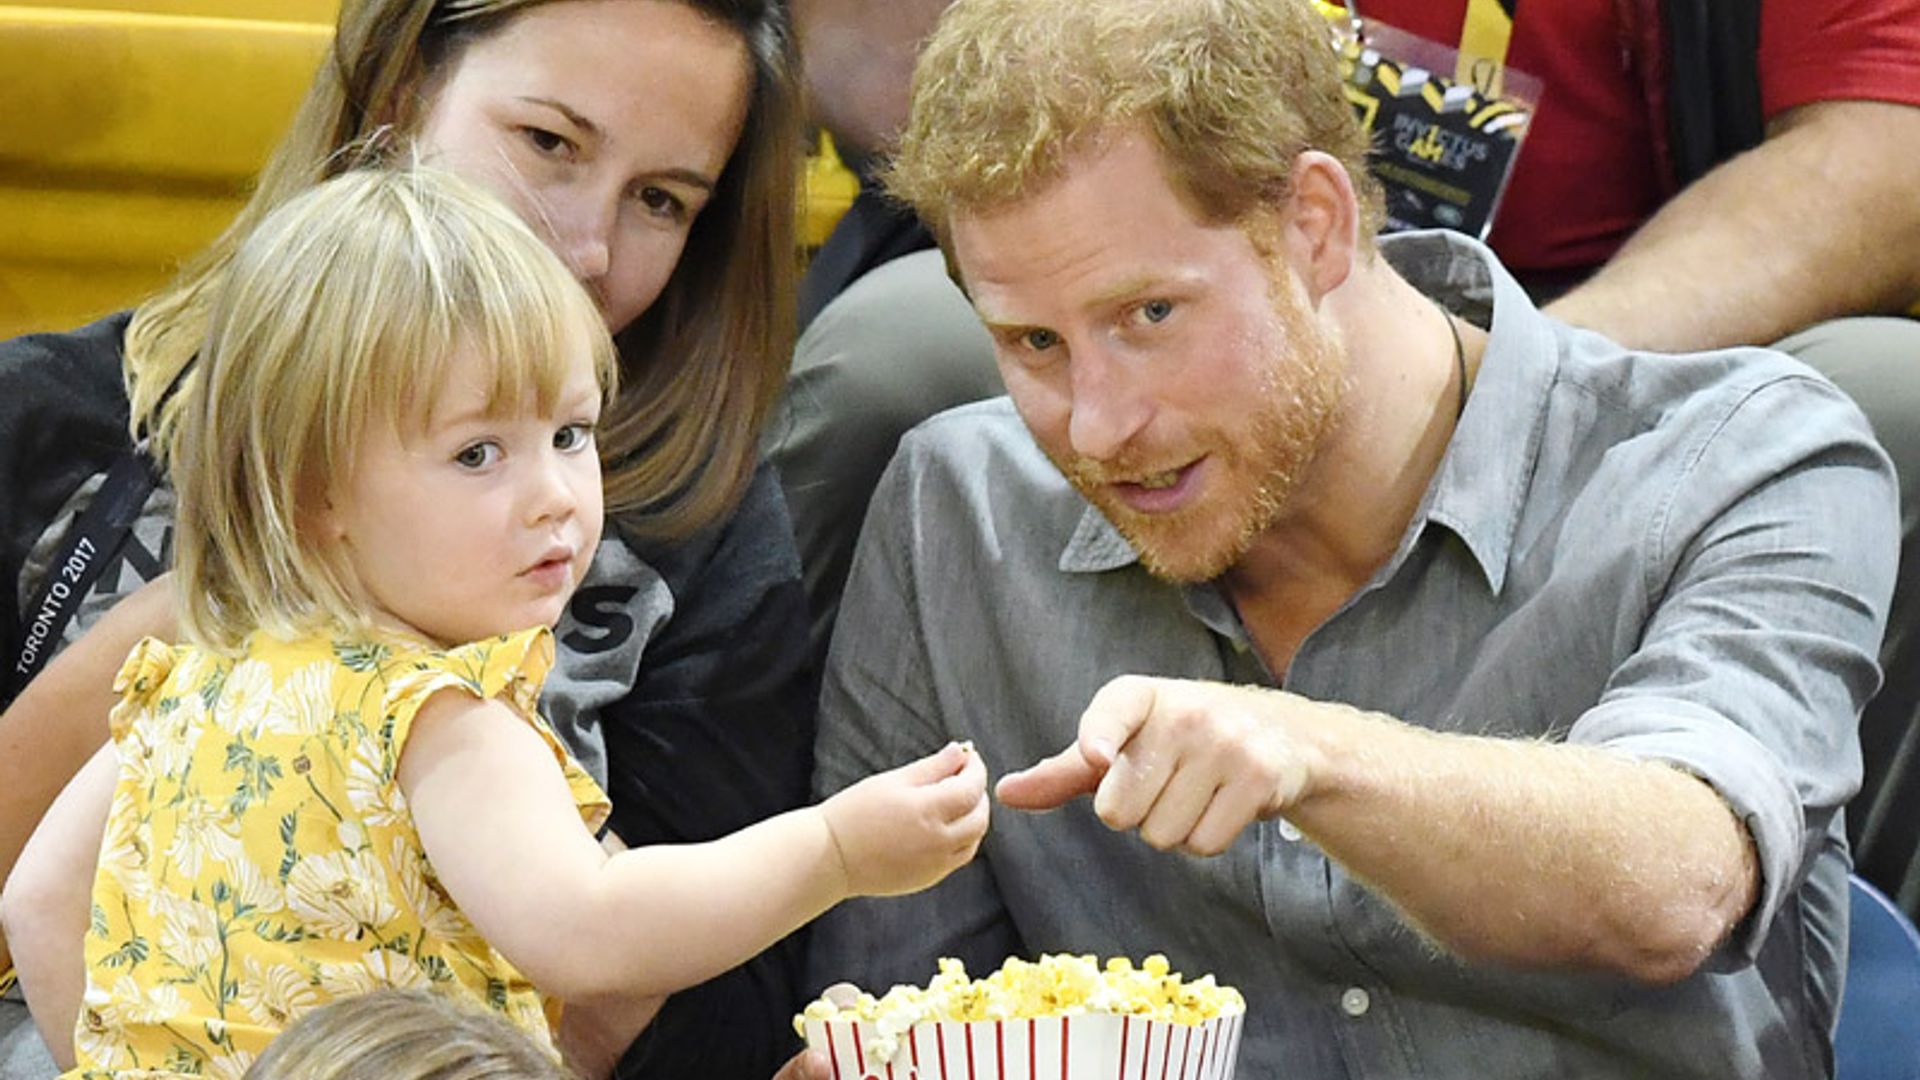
1818 221
45 904
497 821
60 719
1673 817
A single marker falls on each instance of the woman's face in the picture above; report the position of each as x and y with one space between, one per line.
606 124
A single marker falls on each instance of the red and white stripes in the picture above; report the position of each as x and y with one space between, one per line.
1086 1047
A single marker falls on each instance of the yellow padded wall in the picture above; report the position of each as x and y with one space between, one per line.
128 134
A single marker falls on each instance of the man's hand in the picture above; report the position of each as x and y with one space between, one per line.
1599 861
1188 764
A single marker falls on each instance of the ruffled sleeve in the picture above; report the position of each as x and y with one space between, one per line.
510 667
139 681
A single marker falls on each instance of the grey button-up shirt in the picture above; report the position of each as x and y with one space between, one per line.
1680 558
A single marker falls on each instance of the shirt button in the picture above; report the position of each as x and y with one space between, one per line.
1289 831
1355 1002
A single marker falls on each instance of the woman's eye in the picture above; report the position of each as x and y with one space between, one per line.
545 141
663 203
477 456
1154 311
573 437
1040 340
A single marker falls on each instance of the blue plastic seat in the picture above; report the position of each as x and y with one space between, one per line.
1878 1037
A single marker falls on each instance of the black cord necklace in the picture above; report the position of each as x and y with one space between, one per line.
1459 359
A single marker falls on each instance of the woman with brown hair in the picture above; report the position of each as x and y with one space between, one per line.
653 144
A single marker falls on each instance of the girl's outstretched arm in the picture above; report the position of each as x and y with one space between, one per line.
499 825
45 904
60 719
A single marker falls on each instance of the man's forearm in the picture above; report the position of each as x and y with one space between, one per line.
1819 221
1532 854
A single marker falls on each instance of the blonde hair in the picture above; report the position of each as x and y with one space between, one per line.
1232 91
341 311
403 1035
704 364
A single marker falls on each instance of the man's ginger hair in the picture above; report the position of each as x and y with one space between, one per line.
1232 91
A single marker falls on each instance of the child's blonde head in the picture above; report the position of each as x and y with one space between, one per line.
342 310
403 1035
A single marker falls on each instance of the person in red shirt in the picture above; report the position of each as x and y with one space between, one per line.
1814 223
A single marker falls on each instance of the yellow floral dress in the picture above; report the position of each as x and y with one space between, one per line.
260 860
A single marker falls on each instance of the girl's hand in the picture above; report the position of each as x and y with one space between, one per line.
902 830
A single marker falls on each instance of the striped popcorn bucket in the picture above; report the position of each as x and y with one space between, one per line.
1094 1046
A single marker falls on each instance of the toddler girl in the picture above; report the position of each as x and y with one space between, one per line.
388 489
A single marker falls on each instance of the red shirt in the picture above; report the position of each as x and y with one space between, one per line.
1586 176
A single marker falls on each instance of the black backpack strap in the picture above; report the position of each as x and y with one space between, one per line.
91 544
1713 82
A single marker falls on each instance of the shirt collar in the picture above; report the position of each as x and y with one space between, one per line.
1096 546
1482 480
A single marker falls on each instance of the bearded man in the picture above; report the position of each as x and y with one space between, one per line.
1473 693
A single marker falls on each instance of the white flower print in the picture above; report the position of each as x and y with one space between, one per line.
100 1036
99 1039
136 1004
526 1014
338 894
189 929
202 831
255 889
192 668
371 788
232 1066
304 703
437 917
276 995
160 744
417 683
123 852
376 970
245 699
189 718
136 762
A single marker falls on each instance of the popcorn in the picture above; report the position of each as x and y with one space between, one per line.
1148 1014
